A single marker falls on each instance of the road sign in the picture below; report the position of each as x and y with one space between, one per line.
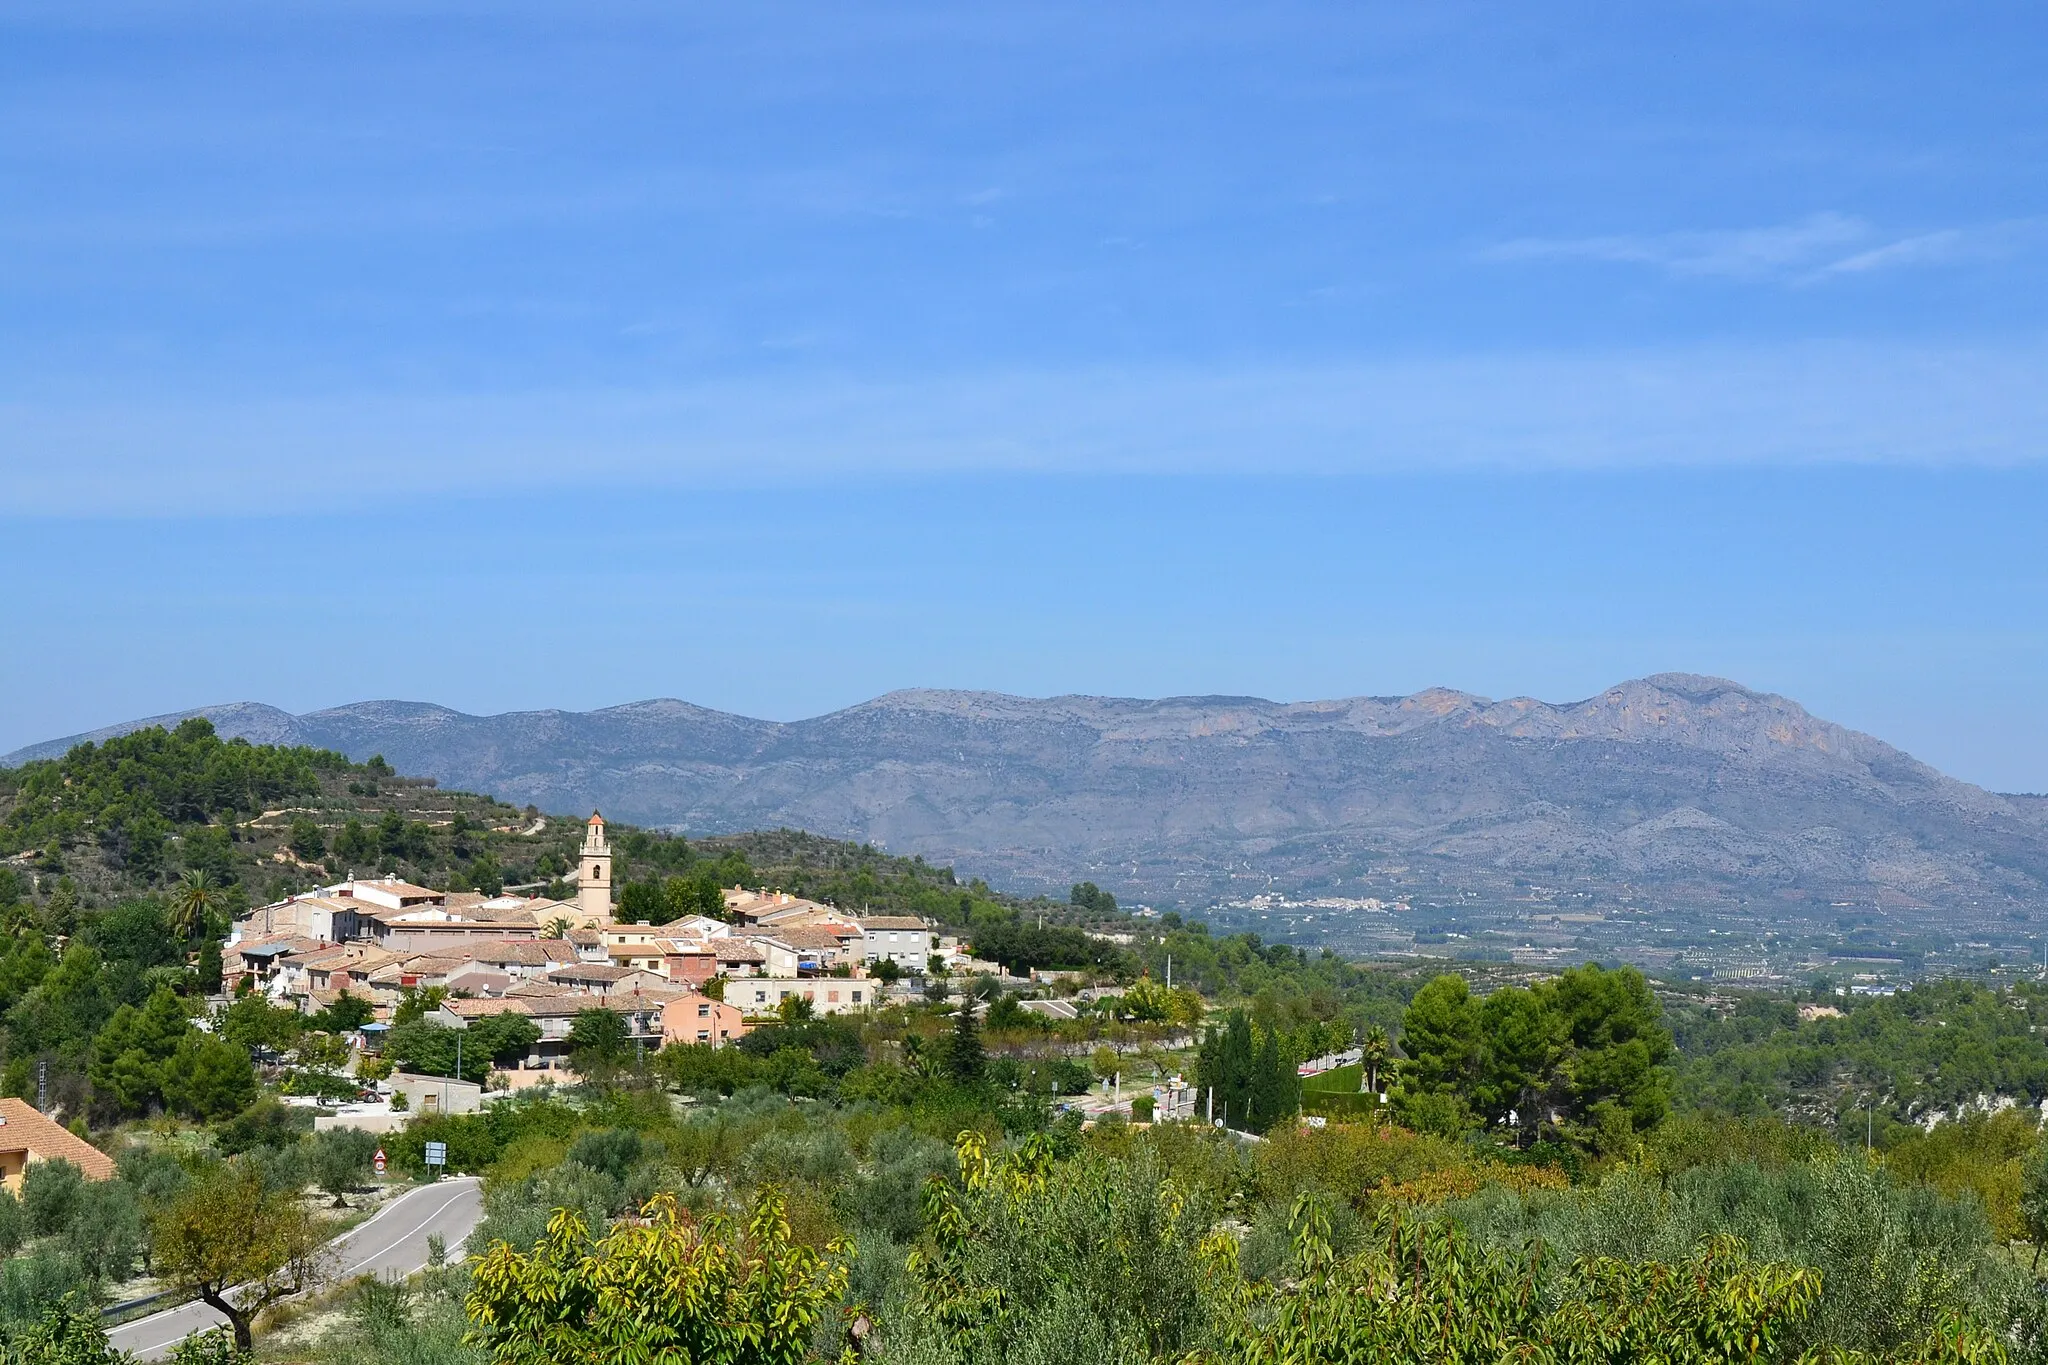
378 1161
437 1154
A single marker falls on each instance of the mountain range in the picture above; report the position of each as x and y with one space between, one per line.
1670 789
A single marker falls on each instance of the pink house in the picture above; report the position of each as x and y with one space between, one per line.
697 1018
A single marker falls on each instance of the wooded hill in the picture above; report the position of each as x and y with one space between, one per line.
134 814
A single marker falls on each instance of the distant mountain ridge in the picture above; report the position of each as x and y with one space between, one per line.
1687 786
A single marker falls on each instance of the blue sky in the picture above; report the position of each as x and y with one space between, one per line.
794 353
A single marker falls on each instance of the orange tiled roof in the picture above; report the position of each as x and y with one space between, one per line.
22 1129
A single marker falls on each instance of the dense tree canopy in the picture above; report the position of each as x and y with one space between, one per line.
430 1049
1021 948
1586 1052
134 794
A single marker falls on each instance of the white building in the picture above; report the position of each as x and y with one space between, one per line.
903 939
756 995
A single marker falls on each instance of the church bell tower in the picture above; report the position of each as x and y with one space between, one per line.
594 878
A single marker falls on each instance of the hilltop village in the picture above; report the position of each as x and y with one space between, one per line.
698 979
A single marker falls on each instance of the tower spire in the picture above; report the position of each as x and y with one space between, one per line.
594 876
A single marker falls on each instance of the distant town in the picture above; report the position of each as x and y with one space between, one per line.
696 979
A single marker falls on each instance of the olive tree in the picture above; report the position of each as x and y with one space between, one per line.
238 1244
337 1160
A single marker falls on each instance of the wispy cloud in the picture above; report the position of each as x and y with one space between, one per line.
1695 406
1803 251
1929 248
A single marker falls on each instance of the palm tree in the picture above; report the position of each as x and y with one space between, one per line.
558 927
193 901
1374 1052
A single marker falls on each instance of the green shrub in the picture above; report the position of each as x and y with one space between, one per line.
51 1194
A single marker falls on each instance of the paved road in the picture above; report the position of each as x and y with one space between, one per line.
392 1242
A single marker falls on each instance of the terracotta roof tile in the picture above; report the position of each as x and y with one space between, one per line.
582 971
22 1129
477 1009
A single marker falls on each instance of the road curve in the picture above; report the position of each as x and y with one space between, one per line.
392 1243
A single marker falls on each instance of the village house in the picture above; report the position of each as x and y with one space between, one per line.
526 959
817 949
427 1095
27 1137
348 967
475 978
263 960
687 960
695 1018
389 893
648 956
751 907
324 915
696 926
588 979
418 971
437 929
740 957
903 939
777 957
827 994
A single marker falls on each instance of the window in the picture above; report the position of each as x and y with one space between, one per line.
832 997
704 1010
703 1035
856 997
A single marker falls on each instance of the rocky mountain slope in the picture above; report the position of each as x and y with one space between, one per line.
1680 788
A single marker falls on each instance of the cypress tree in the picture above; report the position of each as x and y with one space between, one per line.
965 1060
1235 1062
1276 1088
209 968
